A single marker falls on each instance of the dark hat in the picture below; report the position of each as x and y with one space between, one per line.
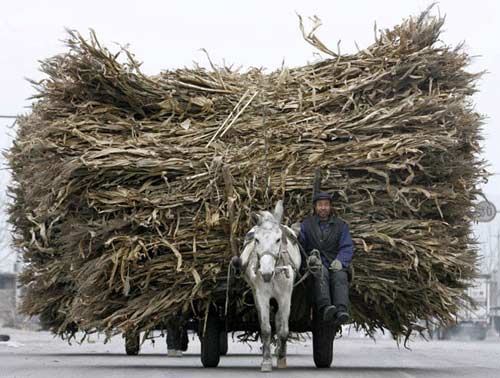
321 196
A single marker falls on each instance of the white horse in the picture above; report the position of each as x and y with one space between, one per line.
270 260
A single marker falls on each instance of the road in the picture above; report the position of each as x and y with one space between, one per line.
40 355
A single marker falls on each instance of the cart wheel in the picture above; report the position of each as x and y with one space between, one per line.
223 343
210 342
132 344
323 337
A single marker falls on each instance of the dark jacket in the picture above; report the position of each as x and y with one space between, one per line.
331 238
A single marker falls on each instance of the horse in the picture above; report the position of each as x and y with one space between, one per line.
270 261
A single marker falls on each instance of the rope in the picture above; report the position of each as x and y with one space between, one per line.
308 272
228 278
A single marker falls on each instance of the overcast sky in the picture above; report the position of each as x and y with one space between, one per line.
169 34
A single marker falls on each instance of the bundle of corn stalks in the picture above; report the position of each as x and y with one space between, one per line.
121 205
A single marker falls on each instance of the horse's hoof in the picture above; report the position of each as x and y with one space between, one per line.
266 366
282 363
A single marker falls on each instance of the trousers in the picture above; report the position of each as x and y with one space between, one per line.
174 337
331 288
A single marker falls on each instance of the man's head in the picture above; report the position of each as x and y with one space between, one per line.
323 205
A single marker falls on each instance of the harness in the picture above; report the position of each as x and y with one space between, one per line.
283 259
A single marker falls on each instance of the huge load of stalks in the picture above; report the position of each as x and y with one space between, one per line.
121 208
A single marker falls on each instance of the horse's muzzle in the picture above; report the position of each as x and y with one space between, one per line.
267 276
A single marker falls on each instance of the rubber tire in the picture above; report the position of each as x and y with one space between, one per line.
132 344
210 342
223 343
323 337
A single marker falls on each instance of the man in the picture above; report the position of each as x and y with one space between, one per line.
326 235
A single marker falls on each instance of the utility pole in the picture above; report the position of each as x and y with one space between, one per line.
495 289
498 251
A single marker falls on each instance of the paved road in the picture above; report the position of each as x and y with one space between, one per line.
38 354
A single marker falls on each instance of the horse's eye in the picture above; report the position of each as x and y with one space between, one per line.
277 241
257 240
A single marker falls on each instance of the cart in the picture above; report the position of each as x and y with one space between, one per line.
214 328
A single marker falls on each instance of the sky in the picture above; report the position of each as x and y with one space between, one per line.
170 34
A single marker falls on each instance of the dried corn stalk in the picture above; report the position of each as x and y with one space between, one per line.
120 209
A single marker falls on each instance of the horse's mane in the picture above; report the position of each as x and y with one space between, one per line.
266 216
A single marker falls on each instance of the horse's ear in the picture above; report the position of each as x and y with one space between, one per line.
278 211
256 217
296 229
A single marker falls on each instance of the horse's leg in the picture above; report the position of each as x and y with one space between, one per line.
282 317
280 352
262 302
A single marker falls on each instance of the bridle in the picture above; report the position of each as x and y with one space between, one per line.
280 256
275 256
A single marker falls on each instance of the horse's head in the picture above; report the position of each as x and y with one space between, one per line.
267 238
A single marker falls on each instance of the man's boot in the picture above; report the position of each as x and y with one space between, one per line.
322 298
341 316
328 313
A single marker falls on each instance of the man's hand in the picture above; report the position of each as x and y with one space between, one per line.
336 265
314 261
296 229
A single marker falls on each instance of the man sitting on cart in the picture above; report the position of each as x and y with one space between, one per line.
326 238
